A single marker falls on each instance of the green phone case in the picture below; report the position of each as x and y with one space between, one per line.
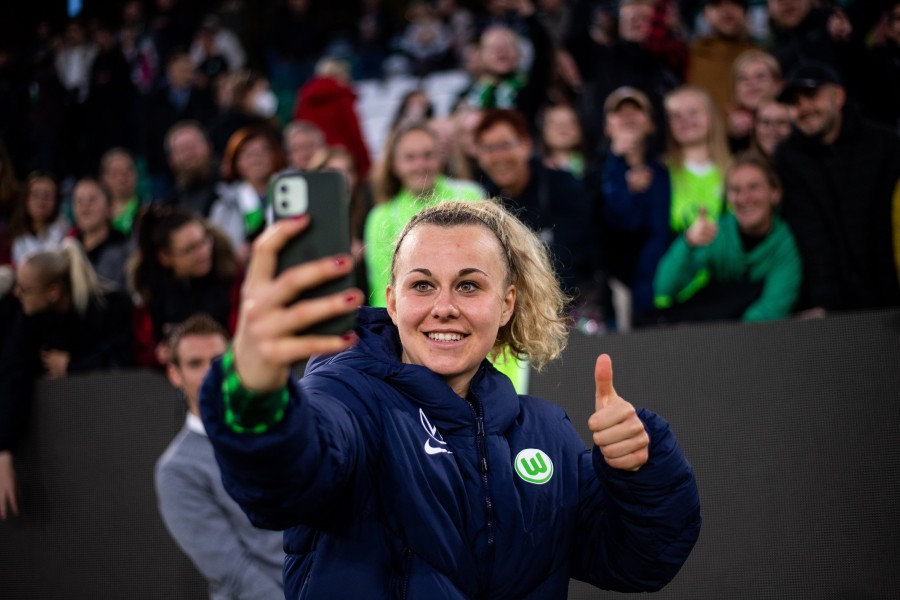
328 233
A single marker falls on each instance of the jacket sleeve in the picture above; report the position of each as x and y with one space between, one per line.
677 269
298 470
202 528
782 284
636 529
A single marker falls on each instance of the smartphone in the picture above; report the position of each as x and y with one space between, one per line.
325 196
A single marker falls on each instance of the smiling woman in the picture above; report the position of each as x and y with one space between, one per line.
404 457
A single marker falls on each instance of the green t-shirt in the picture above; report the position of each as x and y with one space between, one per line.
692 189
386 221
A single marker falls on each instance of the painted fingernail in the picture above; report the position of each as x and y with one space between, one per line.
349 337
302 217
351 297
341 261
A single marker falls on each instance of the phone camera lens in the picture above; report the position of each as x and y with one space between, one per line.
284 189
285 204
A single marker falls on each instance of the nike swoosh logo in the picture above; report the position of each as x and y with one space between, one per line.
434 449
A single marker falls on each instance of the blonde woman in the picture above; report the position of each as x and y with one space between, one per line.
405 457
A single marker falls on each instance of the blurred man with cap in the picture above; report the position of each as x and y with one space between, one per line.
839 173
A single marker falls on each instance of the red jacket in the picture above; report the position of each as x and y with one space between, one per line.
331 105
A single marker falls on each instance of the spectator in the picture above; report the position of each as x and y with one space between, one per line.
839 173
328 101
237 559
771 126
697 156
294 41
562 142
252 156
178 99
634 230
190 156
213 40
712 55
138 47
505 82
110 109
551 202
414 107
607 60
302 141
209 62
252 103
107 249
426 41
67 324
119 175
408 179
882 99
73 63
182 266
372 39
756 77
745 266
9 195
37 222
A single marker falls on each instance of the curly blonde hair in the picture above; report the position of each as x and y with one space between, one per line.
537 331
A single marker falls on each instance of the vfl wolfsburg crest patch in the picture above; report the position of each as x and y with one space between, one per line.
534 466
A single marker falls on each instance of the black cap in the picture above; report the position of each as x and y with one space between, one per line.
808 76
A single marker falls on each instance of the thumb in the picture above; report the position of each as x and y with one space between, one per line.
701 213
603 381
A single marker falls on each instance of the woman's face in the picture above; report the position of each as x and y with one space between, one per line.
90 207
753 84
752 199
416 161
41 201
688 118
449 298
34 295
499 51
562 130
190 251
772 126
255 161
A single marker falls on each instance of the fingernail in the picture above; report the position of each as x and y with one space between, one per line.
351 297
341 261
350 336
302 217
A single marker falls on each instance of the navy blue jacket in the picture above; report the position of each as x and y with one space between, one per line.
392 486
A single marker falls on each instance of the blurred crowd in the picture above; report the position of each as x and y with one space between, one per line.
684 161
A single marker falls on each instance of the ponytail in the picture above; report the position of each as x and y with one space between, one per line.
70 268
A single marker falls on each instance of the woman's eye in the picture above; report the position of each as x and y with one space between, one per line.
468 286
421 286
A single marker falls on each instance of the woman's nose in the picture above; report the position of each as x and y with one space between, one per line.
444 306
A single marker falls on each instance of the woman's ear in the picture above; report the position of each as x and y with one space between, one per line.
509 305
391 303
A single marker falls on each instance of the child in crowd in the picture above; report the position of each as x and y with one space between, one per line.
562 140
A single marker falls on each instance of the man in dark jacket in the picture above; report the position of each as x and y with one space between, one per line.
839 173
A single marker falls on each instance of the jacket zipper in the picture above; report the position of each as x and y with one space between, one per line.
488 501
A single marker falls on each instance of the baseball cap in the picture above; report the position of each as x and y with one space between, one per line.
626 94
807 76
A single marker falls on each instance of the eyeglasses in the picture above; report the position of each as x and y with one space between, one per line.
498 147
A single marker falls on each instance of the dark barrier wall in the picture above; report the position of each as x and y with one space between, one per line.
793 429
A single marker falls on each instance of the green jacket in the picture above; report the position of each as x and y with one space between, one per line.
774 261
386 221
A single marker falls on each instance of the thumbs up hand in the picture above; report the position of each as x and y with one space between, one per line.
616 428
702 231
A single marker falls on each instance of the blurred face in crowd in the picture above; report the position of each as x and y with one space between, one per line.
561 130
416 161
302 146
772 126
449 297
817 113
342 164
41 201
788 14
634 21
752 199
689 118
499 51
90 207
180 72
628 117
503 156
893 28
753 83
727 18
120 176
190 155
34 294
255 160
190 251
192 359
